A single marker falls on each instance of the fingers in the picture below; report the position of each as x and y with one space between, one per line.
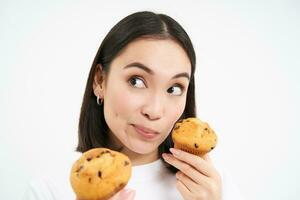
187 181
186 169
127 194
203 165
197 178
183 190
124 194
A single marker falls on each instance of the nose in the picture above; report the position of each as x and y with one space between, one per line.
153 110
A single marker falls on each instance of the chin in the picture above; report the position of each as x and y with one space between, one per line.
142 148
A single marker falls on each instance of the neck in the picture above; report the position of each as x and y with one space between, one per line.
140 159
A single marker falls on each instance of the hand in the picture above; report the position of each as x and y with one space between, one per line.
197 178
124 194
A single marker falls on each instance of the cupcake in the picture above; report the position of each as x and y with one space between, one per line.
99 174
194 136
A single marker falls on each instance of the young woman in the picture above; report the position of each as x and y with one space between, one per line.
142 78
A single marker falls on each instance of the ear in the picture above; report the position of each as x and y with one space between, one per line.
98 83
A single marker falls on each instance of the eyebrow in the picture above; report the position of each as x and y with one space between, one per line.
149 71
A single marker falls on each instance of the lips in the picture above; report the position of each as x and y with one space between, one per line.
146 133
145 129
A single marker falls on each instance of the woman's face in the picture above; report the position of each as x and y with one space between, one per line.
146 86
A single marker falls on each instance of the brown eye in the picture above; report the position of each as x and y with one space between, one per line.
177 90
136 81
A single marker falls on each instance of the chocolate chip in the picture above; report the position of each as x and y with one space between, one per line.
189 151
89 159
90 180
196 145
205 129
99 174
98 156
80 168
121 185
212 148
126 163
104 152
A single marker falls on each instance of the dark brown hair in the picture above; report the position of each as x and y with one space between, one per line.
93 130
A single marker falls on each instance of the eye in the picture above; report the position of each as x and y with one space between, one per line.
177 89
135 80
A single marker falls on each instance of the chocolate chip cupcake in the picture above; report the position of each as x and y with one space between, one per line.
99 174
194 136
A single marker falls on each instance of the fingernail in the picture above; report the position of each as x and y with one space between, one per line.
175 152
165 156
126 193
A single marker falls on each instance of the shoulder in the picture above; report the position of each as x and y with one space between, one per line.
48 188
51 184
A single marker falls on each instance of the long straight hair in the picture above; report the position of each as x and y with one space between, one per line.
93 130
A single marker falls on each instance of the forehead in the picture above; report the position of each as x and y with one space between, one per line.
162 56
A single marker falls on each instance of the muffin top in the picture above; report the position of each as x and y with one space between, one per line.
194 134
100 173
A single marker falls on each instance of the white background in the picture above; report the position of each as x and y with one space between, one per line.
247 84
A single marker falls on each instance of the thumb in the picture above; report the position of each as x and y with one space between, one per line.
124 194
127 194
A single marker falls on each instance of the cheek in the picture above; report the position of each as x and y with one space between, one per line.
173 113
118 107
123 103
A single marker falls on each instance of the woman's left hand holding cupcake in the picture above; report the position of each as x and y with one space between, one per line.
197 178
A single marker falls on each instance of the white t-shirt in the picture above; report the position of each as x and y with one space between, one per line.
150 181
